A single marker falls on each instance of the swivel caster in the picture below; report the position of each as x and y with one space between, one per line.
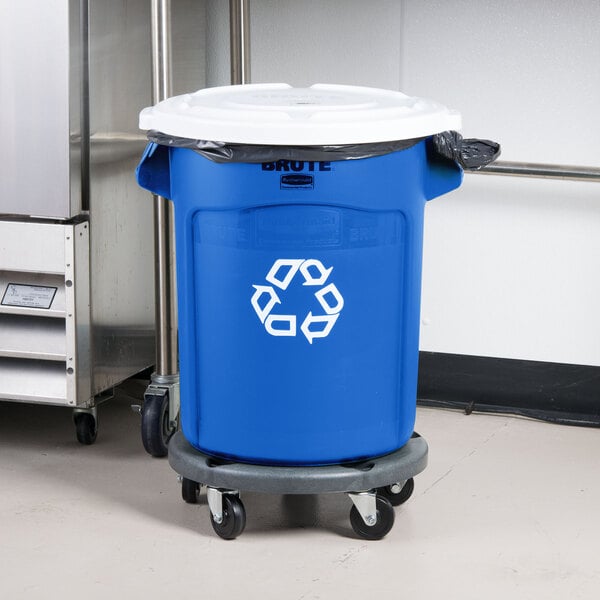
190 490
156 426
371 516
86 425
227 513
398 493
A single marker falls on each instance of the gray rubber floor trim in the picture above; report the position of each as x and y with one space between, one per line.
399 466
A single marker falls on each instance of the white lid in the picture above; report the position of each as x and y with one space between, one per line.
278 114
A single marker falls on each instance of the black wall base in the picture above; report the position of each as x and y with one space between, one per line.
568 394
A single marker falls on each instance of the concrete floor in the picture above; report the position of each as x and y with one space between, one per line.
508 508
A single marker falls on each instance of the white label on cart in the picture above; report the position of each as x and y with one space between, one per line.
28 296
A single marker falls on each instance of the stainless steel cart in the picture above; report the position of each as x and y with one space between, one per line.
77 299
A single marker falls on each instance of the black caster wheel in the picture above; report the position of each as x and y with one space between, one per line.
383 525
86 428
398 497
234 518
190 490
156 428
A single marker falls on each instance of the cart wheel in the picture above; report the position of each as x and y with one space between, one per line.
234 518
190 490
399 497
383 525
156 429
86 428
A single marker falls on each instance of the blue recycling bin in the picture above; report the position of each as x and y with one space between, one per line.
298 268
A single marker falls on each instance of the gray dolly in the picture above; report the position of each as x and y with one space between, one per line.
374 485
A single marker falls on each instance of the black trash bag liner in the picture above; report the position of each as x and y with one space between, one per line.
222 152
470 154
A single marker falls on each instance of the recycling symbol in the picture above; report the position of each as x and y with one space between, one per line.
281 274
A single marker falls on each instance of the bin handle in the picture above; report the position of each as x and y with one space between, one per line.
442 174
154 171
448 154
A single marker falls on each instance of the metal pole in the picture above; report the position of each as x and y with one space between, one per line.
239 41
166 307
541 170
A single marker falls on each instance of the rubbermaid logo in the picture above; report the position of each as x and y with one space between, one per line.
297 181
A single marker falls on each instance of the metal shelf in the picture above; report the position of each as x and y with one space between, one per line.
33 381
32 338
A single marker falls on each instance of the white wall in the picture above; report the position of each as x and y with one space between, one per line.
512 266
312 41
